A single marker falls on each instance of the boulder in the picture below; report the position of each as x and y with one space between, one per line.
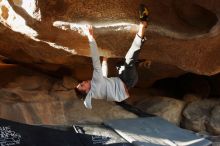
66 112
39 32
69 82
188 98
165 107
196 115
26 100
213 126
32 82
47 36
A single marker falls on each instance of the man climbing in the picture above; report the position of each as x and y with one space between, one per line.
114 88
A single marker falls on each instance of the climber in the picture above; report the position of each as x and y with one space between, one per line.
114 88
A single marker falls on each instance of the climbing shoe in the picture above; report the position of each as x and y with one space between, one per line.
143 13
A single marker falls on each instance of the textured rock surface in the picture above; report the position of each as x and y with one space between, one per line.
40 99
48 31
46 35
214 122
165 107
188 98
202 115
64 112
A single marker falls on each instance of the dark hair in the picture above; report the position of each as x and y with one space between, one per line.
80 94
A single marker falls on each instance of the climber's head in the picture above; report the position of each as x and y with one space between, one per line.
83 88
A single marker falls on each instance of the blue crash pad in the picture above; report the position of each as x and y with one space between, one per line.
154 131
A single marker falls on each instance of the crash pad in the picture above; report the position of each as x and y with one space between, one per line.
154 131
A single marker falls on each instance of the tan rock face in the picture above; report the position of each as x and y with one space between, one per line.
31 97
47 35
167 108
39 99
214 124
151 101
49 32
202 115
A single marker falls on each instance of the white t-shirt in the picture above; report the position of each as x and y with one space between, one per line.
111 89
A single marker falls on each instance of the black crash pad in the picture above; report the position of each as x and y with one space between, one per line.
18 134
13 133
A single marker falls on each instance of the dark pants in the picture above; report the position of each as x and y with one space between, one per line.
127 71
